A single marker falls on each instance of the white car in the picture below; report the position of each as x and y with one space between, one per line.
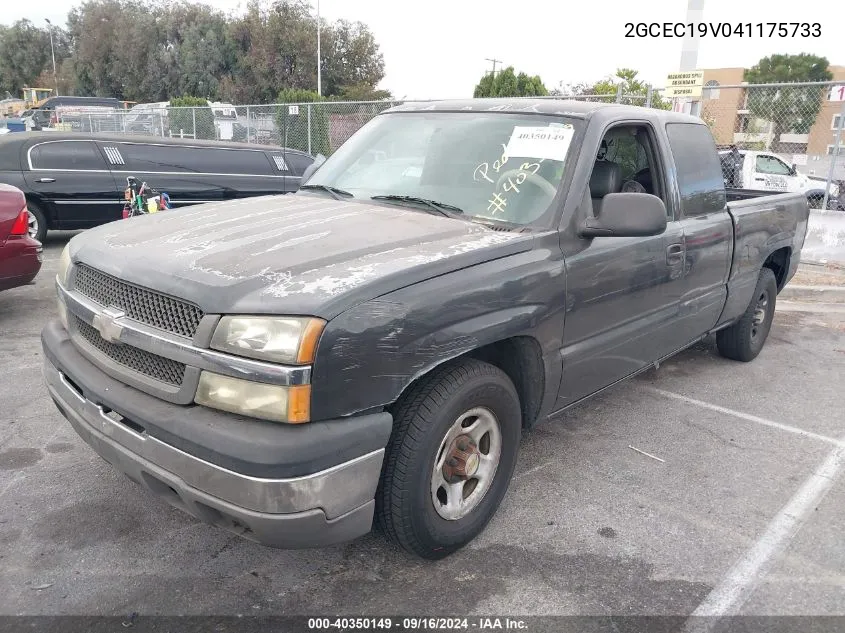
766 171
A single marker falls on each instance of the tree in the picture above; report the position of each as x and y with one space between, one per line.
118 50
351 61
634 91
25 54
152 50
362 92
508 84
790 109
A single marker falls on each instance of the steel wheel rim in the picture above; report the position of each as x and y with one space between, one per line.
453 500
31 224
760 313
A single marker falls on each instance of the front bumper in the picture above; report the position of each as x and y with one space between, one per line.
332 505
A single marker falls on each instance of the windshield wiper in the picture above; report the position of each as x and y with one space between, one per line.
442 208
337 194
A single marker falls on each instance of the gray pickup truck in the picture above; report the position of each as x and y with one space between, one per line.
293 368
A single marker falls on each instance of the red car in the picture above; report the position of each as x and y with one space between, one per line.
20 255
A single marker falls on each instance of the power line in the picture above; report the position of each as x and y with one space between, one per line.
495 61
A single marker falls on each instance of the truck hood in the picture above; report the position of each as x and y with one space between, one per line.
291 254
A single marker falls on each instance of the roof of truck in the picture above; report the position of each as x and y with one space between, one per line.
567 107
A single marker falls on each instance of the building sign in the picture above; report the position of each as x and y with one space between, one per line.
837 93
685 84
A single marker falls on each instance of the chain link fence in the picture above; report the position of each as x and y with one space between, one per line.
316 128
789 136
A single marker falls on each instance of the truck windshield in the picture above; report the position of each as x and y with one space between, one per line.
487 165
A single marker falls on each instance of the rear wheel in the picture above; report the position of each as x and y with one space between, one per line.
450 458
745 338
37 228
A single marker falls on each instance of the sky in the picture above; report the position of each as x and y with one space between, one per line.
439 48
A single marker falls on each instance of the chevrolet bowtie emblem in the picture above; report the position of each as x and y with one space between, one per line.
106 324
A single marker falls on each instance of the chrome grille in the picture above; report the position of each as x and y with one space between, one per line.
151 365
140 304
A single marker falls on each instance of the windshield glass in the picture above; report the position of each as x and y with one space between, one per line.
491 165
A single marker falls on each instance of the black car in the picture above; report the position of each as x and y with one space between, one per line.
76 181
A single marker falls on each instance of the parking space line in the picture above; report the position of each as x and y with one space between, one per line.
736 588
749 417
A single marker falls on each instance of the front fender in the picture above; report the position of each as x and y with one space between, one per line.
371 353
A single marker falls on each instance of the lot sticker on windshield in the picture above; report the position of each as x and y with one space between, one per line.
540 142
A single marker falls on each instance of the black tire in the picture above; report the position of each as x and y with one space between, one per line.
40 219
405 508
744 339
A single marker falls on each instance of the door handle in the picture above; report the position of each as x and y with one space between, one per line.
760 179
45 180
674 253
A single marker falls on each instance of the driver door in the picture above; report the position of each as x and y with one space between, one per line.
623 294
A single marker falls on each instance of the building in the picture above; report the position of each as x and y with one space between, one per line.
726 111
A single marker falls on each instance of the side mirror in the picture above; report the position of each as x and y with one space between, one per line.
309 171
627 215
794 170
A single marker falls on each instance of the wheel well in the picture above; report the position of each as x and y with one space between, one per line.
32 202
521 358
778 262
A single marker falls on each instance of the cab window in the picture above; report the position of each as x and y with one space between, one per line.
626 163
772 165
699 171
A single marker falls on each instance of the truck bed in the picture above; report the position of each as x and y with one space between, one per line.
767 228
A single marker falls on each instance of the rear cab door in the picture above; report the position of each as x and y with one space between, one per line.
73 179
706 224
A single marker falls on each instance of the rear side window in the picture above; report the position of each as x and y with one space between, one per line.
203 160
699 171
67 155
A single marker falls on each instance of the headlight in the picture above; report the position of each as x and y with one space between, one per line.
255 399
278 339
834 191
64 266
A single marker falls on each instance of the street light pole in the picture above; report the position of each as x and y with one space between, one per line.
319 75
53 53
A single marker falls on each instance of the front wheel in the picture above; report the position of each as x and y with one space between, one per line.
450 458
744 340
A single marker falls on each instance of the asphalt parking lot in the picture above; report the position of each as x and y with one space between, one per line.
737 507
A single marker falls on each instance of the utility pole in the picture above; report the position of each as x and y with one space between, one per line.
319 75
495 61
53 53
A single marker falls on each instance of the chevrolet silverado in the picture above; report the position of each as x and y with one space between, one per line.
295 368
